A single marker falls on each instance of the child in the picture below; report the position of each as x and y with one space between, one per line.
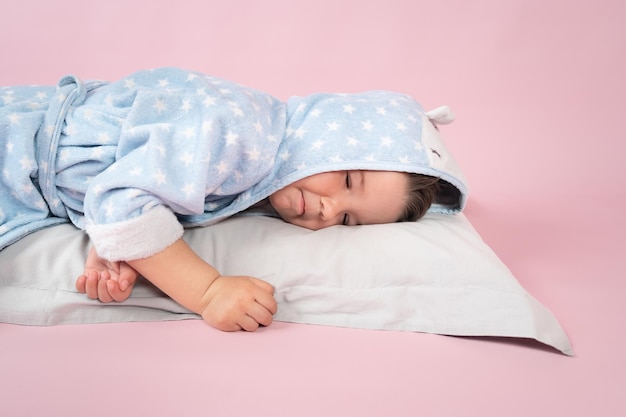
134 161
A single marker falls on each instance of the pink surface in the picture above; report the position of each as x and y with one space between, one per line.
538 89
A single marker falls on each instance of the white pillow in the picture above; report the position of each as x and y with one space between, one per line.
435 276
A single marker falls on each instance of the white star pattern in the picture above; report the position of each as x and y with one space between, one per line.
8 99
28 188
209 101
14 119
160 149
109 209
299 133
237 111
186 158
159 177
89 115
222 167
96 189
189 132
192 125
97 152
64 155
188 189
231 138
70 130
129 83
317 145
253 155
159 106
186 106
104 138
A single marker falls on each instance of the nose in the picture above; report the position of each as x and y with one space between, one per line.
330 208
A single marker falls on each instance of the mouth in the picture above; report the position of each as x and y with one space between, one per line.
302 205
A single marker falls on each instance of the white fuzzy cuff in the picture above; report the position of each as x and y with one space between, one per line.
138 238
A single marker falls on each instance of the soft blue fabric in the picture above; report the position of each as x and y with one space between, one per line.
173 147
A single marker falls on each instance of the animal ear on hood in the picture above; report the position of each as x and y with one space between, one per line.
440 116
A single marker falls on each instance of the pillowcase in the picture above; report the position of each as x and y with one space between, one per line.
435 276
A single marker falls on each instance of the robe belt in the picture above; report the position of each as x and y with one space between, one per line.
71 91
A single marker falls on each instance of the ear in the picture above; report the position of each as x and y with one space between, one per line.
440 116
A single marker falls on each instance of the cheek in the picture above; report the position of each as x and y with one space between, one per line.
282 200
278 200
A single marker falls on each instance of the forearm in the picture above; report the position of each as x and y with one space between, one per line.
180 273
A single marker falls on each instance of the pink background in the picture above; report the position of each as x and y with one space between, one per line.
539 92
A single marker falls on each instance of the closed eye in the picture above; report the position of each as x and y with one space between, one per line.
346 219
348 180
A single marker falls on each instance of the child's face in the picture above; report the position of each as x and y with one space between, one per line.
343 197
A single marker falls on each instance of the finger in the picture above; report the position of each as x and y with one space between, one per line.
225 326
260 314
116 292
128 277
266 300
247 323
103 292
264 285
80 283
91 285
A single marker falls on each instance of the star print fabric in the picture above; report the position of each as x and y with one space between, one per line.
119 159
22 207
134 161
375 130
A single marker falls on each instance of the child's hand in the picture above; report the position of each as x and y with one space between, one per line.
106 281
239 303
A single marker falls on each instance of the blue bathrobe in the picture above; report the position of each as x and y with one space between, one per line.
134 161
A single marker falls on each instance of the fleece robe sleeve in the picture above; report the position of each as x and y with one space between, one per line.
178 155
